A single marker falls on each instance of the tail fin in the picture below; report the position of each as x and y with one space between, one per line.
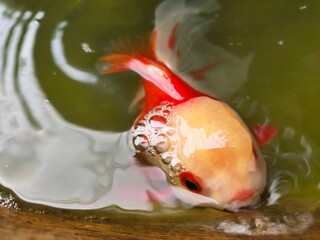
181 22
181 43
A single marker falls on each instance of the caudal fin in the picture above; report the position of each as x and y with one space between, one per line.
181 43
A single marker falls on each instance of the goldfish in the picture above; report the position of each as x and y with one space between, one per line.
207 153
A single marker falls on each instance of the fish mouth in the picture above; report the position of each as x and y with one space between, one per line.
243 195
242 199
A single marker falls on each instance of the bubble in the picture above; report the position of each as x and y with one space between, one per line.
177 167
158 109
157 122
161 143
140 126
166 158
141 142
152 152
166 113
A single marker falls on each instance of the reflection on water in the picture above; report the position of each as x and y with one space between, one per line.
60 60
46 159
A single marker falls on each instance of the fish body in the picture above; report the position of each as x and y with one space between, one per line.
202 146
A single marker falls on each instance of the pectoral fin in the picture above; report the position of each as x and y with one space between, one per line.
264 133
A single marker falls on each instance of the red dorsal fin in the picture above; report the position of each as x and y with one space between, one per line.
264 133
141 45
117 63
123 50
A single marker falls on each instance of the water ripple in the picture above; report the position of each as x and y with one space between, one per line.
57 50
49 161
45 159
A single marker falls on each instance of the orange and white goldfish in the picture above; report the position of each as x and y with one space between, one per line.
203 147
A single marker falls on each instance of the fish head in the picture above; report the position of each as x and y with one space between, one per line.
206 152
218 154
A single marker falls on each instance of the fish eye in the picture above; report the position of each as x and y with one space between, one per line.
191 185
189 181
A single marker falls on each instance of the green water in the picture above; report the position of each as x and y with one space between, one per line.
103 105
283 85
283 77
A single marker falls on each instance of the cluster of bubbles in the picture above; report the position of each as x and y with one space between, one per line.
8 201
155 138
267 223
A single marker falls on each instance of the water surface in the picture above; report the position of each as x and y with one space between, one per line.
53 100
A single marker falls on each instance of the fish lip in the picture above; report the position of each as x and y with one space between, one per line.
250 201
243 195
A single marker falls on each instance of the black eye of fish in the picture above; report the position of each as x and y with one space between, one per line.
191 182
191 185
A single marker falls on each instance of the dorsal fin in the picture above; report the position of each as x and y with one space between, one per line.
138 46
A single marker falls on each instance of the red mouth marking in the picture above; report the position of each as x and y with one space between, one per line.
242 195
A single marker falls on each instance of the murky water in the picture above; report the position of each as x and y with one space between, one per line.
63 139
